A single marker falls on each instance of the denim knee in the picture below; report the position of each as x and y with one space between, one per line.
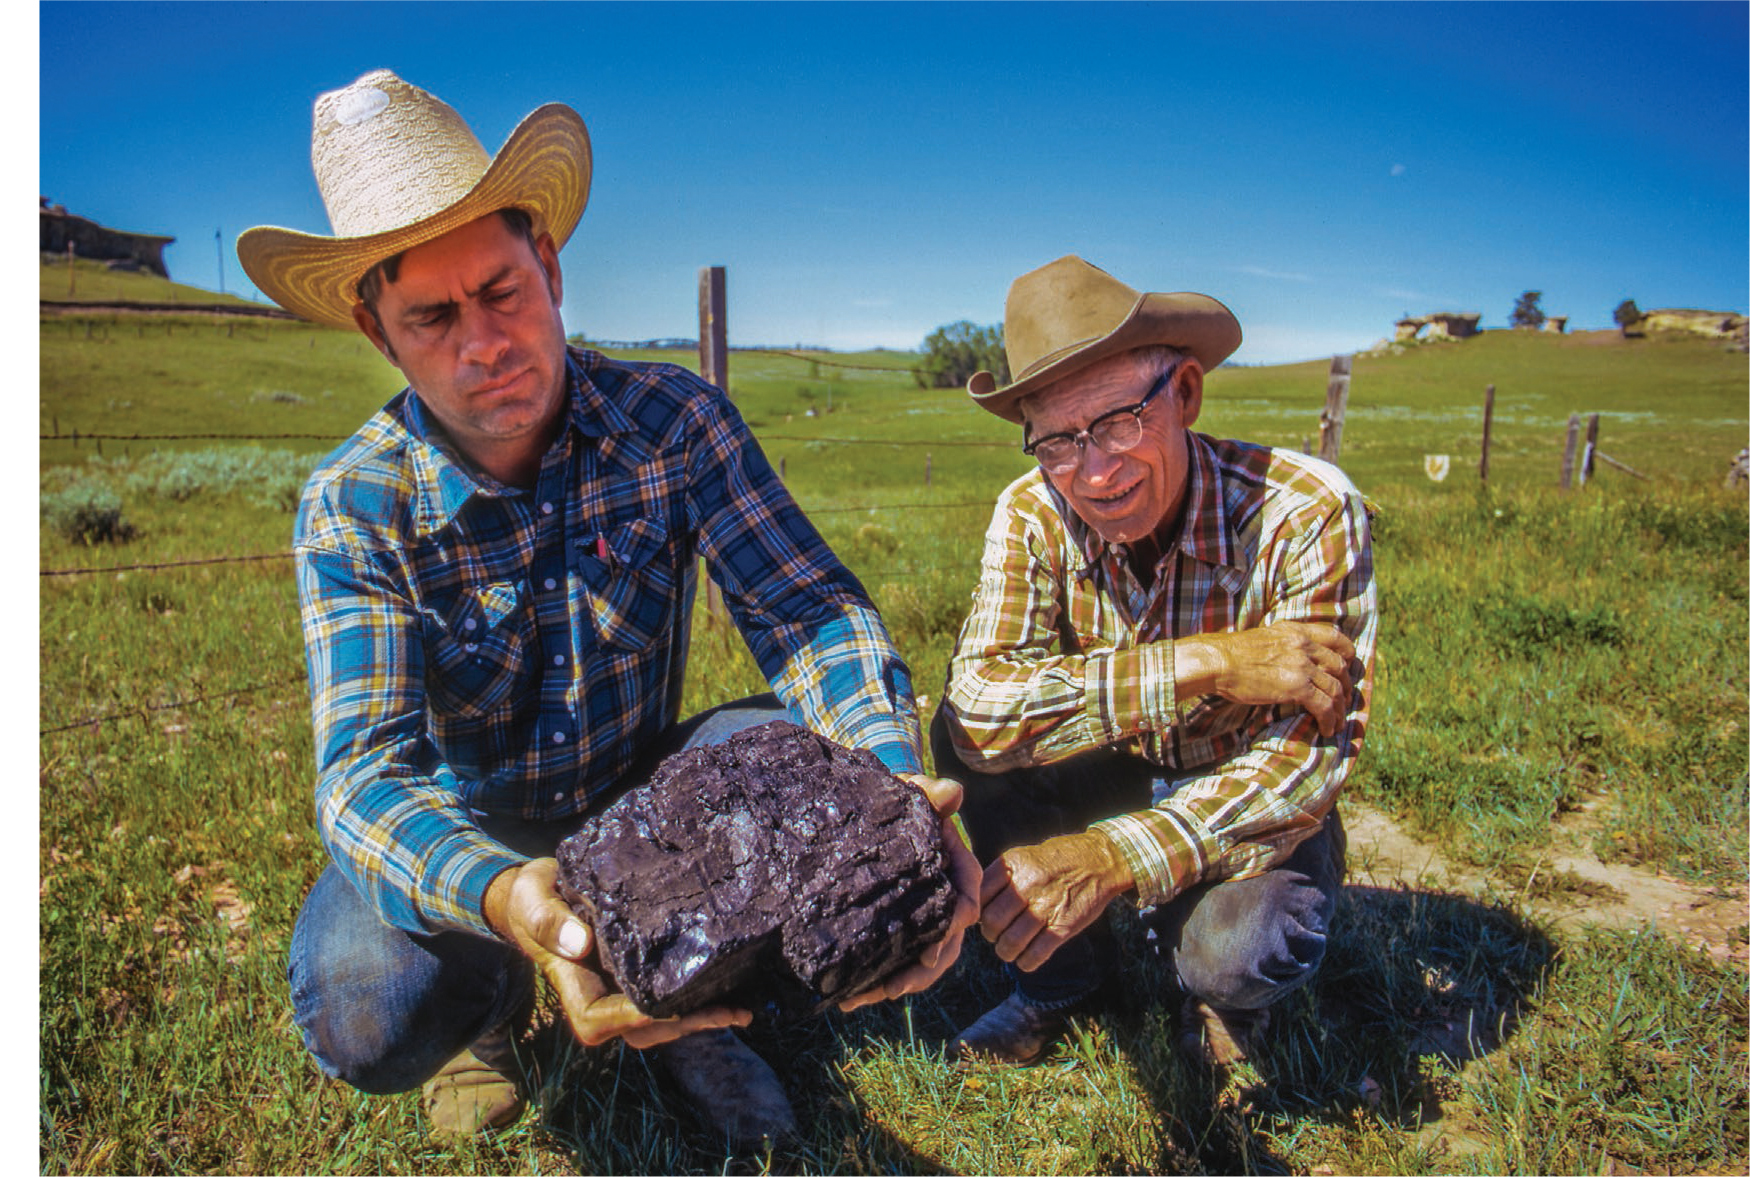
383 1010
1249 944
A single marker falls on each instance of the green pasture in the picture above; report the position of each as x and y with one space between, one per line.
1543 657
85 280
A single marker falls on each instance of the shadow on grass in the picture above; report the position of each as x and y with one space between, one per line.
1414 984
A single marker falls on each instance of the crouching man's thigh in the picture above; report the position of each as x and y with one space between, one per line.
384 1010
1246 944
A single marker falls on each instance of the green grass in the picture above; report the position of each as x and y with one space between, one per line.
93 281
1541 656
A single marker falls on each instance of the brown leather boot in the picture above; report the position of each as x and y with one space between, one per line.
731 1088
1013 1032
1220 1038
478 1090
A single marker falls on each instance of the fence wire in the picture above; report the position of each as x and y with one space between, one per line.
76 436
796 355
142 712
209 560
93 721
165 564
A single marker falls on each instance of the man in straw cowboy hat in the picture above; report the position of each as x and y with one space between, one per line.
496 576
1163 680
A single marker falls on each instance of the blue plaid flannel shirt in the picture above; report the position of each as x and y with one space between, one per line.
477 647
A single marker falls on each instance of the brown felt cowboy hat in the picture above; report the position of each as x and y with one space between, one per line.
398 167
1066 315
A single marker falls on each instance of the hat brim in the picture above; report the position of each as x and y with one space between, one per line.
1193 323
544 167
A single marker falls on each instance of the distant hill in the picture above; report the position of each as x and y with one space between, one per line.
93 281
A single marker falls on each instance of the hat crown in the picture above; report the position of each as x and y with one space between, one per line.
388 154
1059 307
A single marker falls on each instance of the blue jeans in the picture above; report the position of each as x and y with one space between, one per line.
383 1009
1237 945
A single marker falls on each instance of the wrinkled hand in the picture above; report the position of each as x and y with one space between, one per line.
1294 662
523 907
945 797
1037 897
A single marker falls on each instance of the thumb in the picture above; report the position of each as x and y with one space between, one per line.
574 939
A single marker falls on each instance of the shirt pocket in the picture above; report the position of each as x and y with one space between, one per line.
477 649
631 593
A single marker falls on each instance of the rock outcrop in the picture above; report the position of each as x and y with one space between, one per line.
1439 325
1726 325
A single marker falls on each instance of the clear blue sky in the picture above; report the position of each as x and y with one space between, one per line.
870 172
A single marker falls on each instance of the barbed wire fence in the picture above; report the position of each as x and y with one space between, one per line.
95 721
713 354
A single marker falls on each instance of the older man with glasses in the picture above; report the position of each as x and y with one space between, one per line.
1164 679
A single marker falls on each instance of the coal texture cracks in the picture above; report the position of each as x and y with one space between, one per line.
776 869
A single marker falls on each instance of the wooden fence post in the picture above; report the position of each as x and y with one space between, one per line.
1336 405
713 327
926 468
714 367
1568 454
1488 426
1591 449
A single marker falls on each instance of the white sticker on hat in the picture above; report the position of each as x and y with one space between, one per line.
355 106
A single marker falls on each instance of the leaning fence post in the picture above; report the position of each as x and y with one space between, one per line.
1591 449
1568 454
1488 426
1336 405
714 367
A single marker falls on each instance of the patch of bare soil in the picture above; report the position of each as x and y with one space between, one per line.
1570 886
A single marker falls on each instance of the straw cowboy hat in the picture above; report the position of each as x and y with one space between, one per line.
1066 315
398 167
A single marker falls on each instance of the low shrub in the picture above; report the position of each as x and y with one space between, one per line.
270 478
87 512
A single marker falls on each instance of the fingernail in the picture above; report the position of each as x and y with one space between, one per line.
573 939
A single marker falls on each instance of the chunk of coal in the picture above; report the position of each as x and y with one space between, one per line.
774 869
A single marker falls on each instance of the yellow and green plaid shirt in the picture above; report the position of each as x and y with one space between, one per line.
479 648
1064 651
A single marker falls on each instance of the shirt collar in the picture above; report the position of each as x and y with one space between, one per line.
444 482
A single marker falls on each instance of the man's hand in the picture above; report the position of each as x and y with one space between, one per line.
1292 662
945 797
523 907
1037 897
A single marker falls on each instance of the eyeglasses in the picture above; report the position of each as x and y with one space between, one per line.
1115 432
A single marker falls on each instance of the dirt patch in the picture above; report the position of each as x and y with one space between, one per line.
1576 888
